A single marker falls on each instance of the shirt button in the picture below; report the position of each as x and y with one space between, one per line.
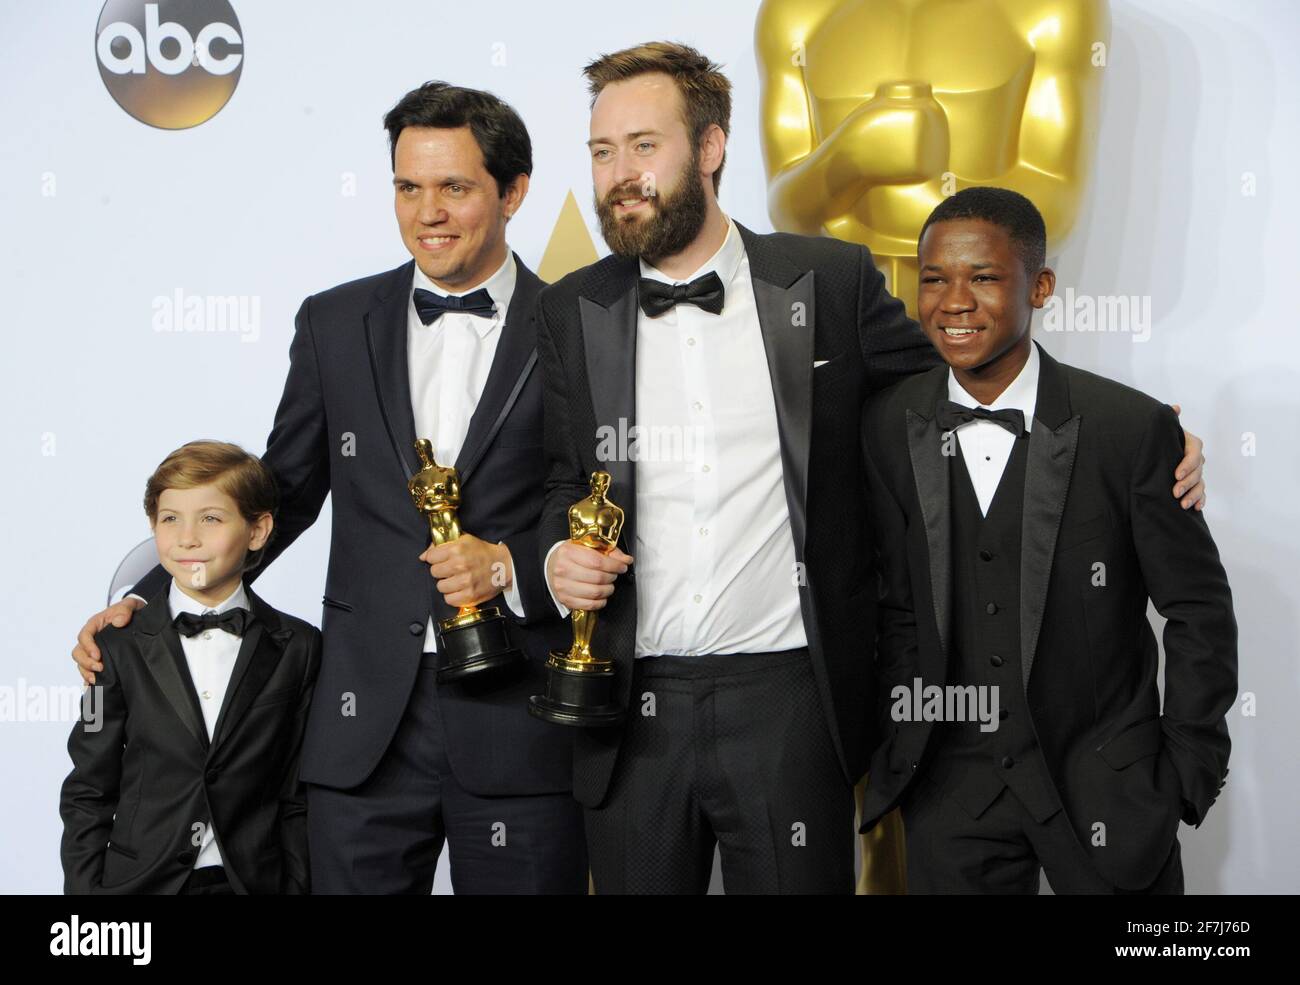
699 598
986 555
697 405
1008 762
704 468
207 636
704 531
416 628
690 341
207 695
991 608
996 661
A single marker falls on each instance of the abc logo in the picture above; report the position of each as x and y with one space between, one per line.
171 64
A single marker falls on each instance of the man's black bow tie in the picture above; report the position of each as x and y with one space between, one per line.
430 307
705 292
233 621
950 416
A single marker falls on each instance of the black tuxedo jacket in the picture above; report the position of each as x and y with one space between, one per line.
817 299
345 427
149 773
1096 493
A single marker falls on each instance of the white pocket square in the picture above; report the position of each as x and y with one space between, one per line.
820 362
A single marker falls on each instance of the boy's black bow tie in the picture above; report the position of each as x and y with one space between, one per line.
656 297
233 621
950 416
430 306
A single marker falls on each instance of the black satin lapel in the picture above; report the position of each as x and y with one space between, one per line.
609 343
259 653
386 324
166 662
515 358
1047 481
785 316
930 468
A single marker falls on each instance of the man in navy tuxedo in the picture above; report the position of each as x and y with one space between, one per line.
443 347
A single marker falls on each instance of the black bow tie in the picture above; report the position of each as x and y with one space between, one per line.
950 416
705 292
233 621
430 307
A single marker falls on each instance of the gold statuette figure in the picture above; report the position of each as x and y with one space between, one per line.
475 639
578 683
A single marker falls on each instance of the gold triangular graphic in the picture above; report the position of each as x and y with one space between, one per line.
570 246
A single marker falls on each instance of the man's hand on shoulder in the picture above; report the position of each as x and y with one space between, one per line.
86 653
1190 487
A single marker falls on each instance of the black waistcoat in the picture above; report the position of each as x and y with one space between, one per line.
974 765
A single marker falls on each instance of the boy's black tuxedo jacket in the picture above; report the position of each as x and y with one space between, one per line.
819 300
1096 491
345 428
149 773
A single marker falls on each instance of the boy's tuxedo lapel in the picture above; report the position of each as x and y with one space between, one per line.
260 651
160 646
608 310
1053 440
926 446
386 341
783 294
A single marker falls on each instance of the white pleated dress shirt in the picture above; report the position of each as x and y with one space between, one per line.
986 446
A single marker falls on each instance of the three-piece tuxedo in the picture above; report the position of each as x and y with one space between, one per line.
1045 599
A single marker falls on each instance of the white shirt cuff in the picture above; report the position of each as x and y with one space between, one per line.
132 595
511 594
546 568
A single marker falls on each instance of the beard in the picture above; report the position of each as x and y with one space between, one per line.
674 222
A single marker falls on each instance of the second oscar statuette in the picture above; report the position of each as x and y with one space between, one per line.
475 639
579 685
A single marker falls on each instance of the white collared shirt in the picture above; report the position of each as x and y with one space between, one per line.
210 657
986 446
448 362
715 564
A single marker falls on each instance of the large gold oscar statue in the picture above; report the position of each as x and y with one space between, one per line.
875 110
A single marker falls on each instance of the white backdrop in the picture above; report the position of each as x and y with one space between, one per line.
286 192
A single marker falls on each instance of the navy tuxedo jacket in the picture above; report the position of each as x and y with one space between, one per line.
345 428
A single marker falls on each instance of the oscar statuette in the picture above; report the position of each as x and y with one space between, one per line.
578 683
475 639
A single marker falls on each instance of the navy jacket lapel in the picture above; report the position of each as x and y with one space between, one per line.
386 324
516 355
